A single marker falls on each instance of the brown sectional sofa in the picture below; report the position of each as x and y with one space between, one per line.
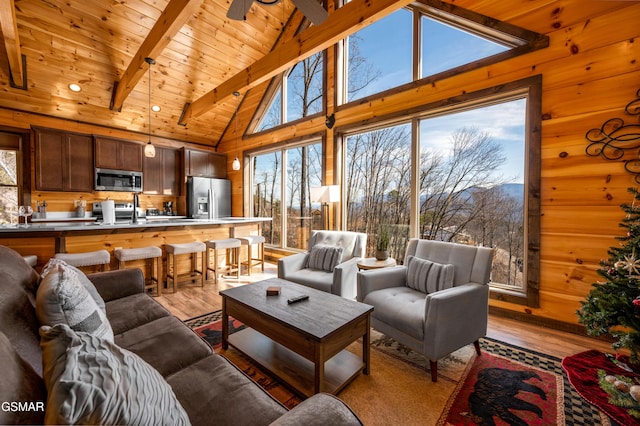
210 389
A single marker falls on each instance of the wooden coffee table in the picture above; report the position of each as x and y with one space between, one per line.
303 343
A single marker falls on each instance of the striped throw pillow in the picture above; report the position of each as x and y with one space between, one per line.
324 258
63 299
427 276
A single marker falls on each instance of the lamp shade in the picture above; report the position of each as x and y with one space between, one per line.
149 150
332 193
325 194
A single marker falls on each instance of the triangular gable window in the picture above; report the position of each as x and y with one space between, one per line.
296 94
381 57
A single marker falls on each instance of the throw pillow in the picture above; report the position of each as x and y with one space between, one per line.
427 276
324 258
62 299
91 380
86 282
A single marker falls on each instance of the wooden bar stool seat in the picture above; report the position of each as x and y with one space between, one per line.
31 259
232 255
153 256
194 274
251 261
89 258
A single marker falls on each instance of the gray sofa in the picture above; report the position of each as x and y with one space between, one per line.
210 389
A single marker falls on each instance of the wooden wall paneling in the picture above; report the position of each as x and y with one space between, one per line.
571 248
579 191
609 93
556 14
583 166
572 219
569 279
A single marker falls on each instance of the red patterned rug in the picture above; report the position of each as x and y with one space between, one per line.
595 376
507 385
498 390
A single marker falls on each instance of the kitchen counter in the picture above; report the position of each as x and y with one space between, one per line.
45 239
72 225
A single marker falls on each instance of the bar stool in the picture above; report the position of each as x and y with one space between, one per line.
153 257
195 274
31 259
89 258
231 246
249 241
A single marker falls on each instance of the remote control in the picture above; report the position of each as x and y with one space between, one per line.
297 299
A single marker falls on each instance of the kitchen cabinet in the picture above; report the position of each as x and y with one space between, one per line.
205 164
64 161
118 154
161 173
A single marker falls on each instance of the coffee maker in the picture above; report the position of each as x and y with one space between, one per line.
168 208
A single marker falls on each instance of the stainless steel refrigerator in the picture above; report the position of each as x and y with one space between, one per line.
208 198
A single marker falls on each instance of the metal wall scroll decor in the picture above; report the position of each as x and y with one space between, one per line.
615 138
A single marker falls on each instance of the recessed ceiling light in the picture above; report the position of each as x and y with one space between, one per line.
75 87
155 108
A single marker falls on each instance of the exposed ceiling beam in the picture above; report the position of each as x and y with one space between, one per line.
343 22
174 16
9 26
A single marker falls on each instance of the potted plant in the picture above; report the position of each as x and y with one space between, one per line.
382 243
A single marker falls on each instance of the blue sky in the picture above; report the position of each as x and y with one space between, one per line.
386 44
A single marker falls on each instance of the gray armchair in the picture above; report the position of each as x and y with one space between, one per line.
436 303
330 264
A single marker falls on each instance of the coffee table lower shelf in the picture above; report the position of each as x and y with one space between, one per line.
293 369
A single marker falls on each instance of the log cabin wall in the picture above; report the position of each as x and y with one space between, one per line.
590 72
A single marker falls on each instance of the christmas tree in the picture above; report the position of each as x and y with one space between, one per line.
613 306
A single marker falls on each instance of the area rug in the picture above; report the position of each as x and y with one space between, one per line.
505 385
587 371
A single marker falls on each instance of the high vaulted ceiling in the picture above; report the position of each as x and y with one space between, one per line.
201 56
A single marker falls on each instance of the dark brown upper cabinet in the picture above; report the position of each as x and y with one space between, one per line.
162 172
205 164
64 161
118 154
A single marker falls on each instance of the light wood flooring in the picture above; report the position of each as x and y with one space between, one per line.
192 301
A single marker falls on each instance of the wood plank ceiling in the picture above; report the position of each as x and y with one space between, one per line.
201 58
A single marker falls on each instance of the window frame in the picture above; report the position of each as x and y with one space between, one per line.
318 138
531 88
21 146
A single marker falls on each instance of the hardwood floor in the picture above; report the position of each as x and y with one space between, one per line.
190 302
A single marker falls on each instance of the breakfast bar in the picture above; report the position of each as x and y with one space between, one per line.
44 239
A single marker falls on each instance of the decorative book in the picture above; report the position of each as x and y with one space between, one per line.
273 290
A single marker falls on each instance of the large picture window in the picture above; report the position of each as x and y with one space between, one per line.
9 182
475 181
284 194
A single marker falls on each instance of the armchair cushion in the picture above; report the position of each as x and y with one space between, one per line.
324 258
402 308
427 276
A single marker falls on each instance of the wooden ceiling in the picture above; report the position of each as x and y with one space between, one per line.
201 56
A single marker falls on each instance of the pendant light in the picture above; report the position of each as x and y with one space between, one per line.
236 162
149 149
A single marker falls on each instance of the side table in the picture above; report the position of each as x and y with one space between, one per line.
373 263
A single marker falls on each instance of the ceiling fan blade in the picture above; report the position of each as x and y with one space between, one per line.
312 10
239 9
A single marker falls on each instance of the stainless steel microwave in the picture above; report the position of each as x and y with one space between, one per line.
118 180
